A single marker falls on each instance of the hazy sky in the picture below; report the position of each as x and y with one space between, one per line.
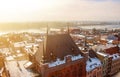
59 10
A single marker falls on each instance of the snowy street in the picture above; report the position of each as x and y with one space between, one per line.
18 71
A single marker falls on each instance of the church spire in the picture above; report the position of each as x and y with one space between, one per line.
68 31
44 44
47 30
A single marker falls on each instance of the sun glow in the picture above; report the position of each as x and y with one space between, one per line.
11 10
58 10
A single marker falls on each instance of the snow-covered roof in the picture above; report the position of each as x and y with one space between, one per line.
90 38
109 45
4 50
9 58
78 35
102 54
81 48
110 41
39 40
103 47
76 57
92 63
111 37
103 37
19 44
27 64
30 45
59 62
115 56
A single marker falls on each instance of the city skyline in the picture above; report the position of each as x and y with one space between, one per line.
57 10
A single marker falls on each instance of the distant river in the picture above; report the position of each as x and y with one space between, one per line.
42 30
101 27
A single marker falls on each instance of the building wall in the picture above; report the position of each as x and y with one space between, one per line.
112 50
104 61
109 66
105 66
72 69
115 66
97 72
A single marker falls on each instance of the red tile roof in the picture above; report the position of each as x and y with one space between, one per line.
112 50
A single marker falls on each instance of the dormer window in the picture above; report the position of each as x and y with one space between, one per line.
116 56
90 60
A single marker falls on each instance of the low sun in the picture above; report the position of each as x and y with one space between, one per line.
11 10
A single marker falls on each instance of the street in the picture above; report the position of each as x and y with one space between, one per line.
18 71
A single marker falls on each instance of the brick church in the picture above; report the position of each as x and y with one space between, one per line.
59 56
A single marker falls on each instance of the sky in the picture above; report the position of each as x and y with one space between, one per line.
59 10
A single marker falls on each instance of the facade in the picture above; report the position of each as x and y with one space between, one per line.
115 59
71 66
94 68
93 65
115 66
59 56
109 56
104 59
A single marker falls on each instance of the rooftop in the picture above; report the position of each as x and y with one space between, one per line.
102 54
59 62
115 56
102 47
58 46
92 63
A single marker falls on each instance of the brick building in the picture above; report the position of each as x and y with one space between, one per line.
104 59
115 65
59 56
94 68
114 53
93 65
109 56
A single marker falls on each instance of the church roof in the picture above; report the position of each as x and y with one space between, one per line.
58 46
